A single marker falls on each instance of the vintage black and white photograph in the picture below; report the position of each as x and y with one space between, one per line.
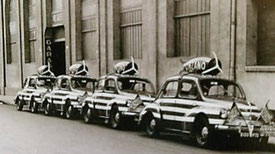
137 76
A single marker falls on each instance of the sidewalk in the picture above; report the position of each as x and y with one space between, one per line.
7 99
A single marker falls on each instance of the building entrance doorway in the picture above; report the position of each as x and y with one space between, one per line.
58 58
55 55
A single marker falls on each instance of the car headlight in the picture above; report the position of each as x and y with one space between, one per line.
223 114
79 99
128 103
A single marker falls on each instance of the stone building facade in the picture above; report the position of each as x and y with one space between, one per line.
159 34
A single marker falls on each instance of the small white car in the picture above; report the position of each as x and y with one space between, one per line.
35 87
69 91
119 96
202 105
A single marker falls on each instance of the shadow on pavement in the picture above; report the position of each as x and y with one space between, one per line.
218 146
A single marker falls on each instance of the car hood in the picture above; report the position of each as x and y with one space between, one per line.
147 98
243 105
82 92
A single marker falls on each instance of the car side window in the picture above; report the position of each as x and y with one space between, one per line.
65 84
110 85
170 90
26 83
101 84
188 90
32 83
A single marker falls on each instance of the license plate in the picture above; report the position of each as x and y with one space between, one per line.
246 134
269 130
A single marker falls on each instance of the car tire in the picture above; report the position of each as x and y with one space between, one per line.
69 112
202 133
115 118
34 107
151 126
87 114
263 140
48 109
20 105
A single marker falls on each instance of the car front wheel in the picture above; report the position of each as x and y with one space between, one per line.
48 109
69 113
34 107
151 127
202 133
20 105
115 118
87 115
264 140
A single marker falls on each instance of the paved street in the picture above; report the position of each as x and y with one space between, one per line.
27 133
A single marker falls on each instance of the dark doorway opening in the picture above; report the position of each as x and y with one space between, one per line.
58 58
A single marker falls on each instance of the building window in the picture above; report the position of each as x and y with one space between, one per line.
12 45
31 32
57 12
192 28
266 33
131 34
89 30
260 33
32 47
130 30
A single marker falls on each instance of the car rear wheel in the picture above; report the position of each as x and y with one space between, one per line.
87 115
202 133
20 105
115 118
151 126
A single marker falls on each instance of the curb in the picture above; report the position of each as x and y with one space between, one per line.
7 100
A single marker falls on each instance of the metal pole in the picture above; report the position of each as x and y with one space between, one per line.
233 40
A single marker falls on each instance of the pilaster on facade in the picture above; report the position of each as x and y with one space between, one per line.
67 25
2 53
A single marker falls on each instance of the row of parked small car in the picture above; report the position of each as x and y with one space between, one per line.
196 102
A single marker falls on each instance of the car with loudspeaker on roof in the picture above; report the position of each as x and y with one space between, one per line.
120 96
34 89
200 104
69 91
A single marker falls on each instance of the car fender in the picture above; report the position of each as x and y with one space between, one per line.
16 99
153 109
88 101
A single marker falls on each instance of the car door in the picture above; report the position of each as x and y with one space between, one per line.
189 98
63 89
167 101
104 97
30 88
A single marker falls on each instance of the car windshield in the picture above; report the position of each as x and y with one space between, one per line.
136 85
44 82
84 84
221 89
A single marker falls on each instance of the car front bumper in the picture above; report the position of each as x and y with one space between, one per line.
247 131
